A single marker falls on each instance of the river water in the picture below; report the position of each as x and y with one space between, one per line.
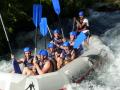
107 26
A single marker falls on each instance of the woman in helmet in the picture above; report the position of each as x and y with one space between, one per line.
27 61
57 40
43 64
73 36
67 54
51 55
51 50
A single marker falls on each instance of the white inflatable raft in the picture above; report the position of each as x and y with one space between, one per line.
73 72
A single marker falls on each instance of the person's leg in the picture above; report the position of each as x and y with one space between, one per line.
27 71
24 71
30 72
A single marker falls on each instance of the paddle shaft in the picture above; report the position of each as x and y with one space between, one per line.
36 30
50 32
60 26
73 27
6 34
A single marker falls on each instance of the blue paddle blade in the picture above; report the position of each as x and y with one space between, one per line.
78 41
56 6
37 14
16 67
43 26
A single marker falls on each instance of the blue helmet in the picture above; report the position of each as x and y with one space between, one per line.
73 33
81 13
66 44
44 53
27 49
39 52
56 31
51 45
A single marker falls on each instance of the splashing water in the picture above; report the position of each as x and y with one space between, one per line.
109 77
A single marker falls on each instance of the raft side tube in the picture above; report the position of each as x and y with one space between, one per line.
76 68
50 81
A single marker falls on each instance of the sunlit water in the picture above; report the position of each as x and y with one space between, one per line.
108 24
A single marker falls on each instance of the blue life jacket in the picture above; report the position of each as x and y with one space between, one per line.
51 55
66 56
29 63
41 63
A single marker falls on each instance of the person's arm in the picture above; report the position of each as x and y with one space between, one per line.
72 55
85 23
45 69
19 61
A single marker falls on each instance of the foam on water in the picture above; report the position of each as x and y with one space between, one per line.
109 77
5 66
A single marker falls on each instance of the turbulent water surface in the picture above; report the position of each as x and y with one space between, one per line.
109 77
108 26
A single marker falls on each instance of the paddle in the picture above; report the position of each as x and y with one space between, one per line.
6 34
16 67
37 14
43 27
73 26
56 7
50 33
15 63
78 41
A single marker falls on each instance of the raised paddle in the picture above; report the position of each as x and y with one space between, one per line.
56 7
50 32
6 34
15 63
78 41
37 14
43 28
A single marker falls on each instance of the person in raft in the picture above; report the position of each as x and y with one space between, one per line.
82 26
43 64
57 40
27 61
66 55
73 36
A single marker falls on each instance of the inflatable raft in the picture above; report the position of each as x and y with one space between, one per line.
74 72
